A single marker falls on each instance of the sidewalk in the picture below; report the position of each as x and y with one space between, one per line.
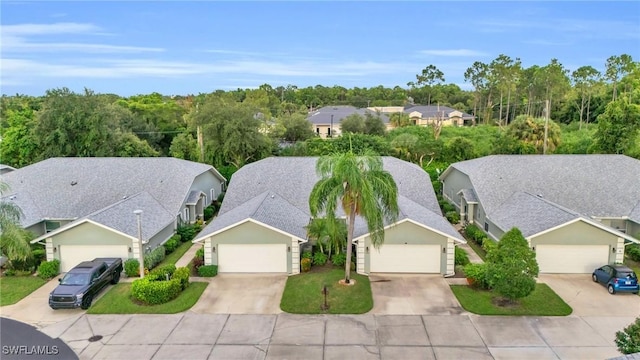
188 256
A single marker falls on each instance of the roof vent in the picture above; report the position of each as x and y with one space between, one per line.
539 195
12 197
124 197
73 183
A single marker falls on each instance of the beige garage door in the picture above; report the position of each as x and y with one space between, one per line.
571 259
72 255
405 259
254 258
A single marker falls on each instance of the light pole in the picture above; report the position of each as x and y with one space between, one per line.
141 250
331 128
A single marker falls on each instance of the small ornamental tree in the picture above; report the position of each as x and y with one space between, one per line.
512 266
628 340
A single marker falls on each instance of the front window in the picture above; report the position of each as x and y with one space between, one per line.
75 279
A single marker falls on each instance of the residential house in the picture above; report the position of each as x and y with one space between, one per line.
424 115
577 211
326 120
82 208
261 224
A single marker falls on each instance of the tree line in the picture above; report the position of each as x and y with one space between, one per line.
588 113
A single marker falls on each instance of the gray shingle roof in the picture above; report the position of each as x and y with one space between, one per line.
469 195
531 214
193 196
290 180
322 116
592 185
120 216
430 111
71 188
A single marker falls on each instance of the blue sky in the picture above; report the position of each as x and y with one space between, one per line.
137 47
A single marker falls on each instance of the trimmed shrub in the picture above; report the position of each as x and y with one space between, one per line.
628 340
319 258
461 257
478 274
633 252
153 292
161 272
186 232
182 274
172 244
488 245
200 253
307 255
38 256
49 269
154 257
132 267
208 212
305 264
448 208
339 259
208 270
453 217
474 233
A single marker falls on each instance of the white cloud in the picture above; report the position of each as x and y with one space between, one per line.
453 52
18 39
48 29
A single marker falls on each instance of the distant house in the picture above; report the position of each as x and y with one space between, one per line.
428 114
577 211
261 224
326 120
82 208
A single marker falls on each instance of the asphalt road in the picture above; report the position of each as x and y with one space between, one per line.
23 341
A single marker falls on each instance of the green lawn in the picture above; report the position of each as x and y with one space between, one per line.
176 254
303 293
15 288
542 302
118 301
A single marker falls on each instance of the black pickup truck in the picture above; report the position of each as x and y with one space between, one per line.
78 286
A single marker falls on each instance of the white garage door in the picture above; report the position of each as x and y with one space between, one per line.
405 259
571 259
254 258
72 255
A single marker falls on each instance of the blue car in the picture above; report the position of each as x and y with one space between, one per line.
616 278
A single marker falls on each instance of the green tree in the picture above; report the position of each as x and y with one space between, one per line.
373 125
18 146
363 188
429 76
232 132
618 127
530 131
14 240
353 123
296 127
459 149
184 146
616 68
512 266
584 79
400 119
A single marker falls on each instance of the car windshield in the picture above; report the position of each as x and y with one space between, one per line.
75 279
624 274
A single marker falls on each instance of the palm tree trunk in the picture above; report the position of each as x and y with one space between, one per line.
352 223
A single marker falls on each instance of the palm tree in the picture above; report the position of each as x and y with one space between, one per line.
364 188
13 238
328 232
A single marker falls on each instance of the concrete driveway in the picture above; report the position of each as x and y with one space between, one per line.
242 294
34 309
412 294
591 299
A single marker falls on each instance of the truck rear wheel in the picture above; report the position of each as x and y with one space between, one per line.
116 278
